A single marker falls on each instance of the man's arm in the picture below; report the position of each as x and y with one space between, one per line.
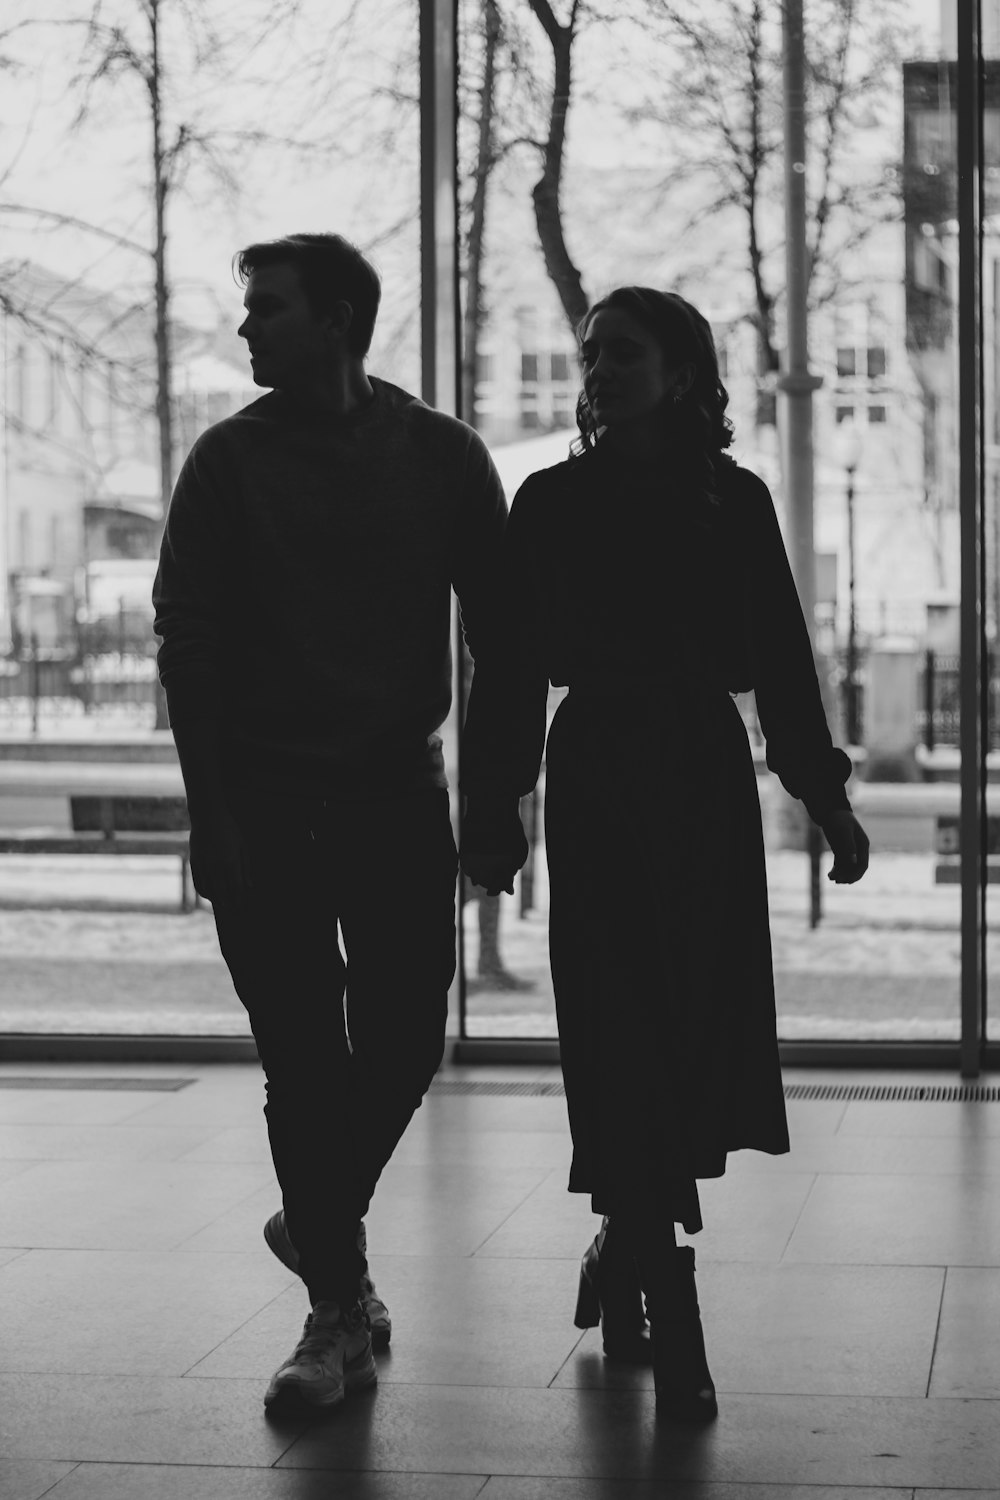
504 731
189 596
218 859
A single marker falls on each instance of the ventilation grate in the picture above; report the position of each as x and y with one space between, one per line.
901 1093
898 1093
888 1093
98 1085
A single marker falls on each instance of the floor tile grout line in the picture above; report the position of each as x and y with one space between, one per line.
552 1383
937 1334
798 1217
189 1373
516 1209
77 1464
642 1393
232 1207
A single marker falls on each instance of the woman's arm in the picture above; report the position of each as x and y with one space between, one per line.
800 749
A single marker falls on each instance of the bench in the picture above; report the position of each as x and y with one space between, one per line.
948 847
113 809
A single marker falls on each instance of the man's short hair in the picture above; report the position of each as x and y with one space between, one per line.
331 270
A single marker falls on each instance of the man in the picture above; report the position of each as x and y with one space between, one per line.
303 601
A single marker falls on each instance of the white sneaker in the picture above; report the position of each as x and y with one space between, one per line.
333 1356
279 1242
378 1313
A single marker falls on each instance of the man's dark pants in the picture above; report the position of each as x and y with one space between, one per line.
341 1088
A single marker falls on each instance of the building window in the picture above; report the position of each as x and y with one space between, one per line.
83 392
723 363
876 362
24 539
877 414
20 412
560 366
484 367
529 369
847 363
845 414
53 388
530 419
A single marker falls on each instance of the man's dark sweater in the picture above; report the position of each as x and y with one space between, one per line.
303 593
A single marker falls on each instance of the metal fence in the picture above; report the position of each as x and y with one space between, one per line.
938 691
59 686
938 717
122 686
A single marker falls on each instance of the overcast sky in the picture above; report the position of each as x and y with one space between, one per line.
97 172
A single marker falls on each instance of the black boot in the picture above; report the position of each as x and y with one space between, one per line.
684 1388
610 1294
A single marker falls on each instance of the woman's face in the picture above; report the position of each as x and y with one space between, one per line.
626 376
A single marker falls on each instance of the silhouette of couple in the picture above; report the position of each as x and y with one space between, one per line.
303 605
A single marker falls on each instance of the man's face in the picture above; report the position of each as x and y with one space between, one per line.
289 344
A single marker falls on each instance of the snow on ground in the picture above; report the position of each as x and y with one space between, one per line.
99 944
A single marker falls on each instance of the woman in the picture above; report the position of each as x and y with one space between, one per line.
648 574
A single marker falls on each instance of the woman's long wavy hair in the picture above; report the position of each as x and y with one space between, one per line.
697 428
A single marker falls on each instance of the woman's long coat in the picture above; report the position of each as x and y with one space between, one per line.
653 604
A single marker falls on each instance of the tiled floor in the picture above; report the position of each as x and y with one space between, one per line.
851 1294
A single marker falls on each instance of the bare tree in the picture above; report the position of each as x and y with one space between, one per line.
131 48
718 101
546 193
475 237
158 47
45 319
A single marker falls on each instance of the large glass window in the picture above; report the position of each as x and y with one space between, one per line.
665 181
625 174
272 117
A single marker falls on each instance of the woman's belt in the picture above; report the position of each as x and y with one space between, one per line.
645 685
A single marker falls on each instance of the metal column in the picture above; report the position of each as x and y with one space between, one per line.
796 383
440 321
439 314
973 643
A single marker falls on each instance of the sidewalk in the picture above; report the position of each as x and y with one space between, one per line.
98 944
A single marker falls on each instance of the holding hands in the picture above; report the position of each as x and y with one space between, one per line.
494 872
494 846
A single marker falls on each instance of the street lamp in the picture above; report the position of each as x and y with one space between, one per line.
850 451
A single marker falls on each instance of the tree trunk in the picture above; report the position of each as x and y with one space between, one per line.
162 295
545 194
477 227
768 364
164 412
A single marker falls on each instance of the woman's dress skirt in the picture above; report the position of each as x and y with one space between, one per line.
659 942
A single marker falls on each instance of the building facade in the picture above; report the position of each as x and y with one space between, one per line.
80 502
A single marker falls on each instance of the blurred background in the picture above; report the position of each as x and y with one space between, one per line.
142 142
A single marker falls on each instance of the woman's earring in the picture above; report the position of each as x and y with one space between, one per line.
677 397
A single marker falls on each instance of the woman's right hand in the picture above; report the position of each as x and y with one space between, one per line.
219 866
849 844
